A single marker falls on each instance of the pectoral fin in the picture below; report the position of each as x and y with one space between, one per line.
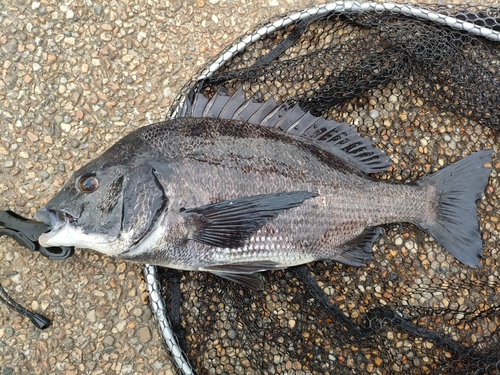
229 223
244 273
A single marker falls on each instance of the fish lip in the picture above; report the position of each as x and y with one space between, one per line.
55 219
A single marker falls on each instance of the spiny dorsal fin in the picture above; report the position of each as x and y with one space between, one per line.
340 139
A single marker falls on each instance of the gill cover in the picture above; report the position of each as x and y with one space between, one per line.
144 200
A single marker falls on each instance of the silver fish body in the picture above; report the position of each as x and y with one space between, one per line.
235 198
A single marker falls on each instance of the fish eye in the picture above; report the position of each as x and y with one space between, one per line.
88 183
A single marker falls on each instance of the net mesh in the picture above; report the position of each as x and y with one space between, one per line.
427 94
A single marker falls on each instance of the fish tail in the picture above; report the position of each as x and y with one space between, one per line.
456 225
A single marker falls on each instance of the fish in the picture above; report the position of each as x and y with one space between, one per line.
237 186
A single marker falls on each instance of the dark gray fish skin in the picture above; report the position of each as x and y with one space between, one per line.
233 198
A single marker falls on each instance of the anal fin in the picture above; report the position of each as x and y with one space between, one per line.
359 249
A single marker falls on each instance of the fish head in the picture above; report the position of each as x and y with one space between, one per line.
86 212
108 204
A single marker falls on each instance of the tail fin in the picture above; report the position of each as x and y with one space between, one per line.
459 186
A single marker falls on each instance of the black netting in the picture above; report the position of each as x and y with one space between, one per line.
426 93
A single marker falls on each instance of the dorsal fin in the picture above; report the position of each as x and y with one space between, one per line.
340 139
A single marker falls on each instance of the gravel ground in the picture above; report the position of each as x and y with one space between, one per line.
75 77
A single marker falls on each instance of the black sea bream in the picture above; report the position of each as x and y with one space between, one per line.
239 186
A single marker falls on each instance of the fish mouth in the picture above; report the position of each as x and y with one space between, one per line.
56 220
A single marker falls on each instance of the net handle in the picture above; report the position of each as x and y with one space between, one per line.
160 312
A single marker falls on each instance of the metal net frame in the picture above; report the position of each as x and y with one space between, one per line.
423 83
